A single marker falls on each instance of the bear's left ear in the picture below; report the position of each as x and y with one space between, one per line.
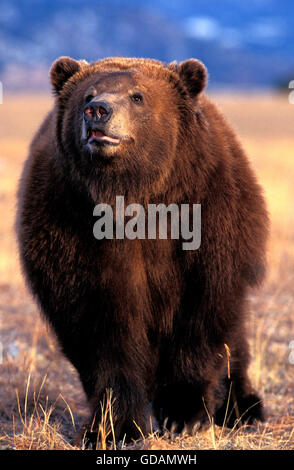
62 69
194 75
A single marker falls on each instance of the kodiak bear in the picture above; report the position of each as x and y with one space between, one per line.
163 327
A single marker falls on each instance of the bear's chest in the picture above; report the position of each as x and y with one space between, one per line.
137 265
141 276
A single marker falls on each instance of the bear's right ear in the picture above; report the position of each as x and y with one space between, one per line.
62 69
193 73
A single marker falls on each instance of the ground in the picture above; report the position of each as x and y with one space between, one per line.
41 400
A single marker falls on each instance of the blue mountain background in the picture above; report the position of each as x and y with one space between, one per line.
244 44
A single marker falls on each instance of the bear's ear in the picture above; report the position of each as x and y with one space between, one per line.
194 75
62 69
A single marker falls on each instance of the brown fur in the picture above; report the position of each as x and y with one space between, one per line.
144 317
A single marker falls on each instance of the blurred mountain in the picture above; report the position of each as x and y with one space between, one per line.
243 44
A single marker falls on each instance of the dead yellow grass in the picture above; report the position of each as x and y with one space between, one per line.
41 400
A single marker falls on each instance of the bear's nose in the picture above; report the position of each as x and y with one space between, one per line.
97 111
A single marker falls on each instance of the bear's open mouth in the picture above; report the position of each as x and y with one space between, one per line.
96 136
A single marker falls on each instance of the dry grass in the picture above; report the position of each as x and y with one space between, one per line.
42 402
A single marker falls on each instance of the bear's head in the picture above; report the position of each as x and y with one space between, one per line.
122 122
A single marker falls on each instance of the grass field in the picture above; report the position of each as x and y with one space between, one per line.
41 400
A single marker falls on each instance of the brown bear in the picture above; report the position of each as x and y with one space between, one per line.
161 326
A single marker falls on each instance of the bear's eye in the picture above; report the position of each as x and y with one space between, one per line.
137 98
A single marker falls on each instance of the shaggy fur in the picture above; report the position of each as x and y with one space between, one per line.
143 317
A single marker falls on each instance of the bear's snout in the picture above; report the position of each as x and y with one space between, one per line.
97 111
